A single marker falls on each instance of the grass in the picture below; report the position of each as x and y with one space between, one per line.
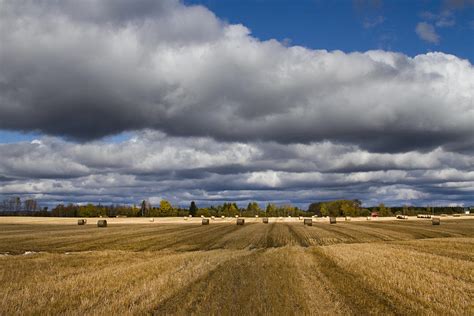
284 268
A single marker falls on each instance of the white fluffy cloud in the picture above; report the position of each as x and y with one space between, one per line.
152 165
427 32
218 114
109 66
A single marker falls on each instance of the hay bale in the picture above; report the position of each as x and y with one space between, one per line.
205 221
185 218
81 221
308 222
202 216
240 221
222 216
436 221
102 223
265 220
332 220
152 220
190 215
368 218
256 216
347 218
213 217
300 218
236 216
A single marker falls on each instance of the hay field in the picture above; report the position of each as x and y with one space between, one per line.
173 266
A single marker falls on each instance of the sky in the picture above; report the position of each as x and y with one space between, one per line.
116 101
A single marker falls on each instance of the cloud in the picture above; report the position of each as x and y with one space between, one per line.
180 169
370 23
427 32
105 67
444 19
213 114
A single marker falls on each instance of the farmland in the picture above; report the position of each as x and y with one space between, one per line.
177 266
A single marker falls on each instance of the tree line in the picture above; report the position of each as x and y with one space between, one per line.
166 209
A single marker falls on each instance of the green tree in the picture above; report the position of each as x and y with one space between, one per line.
384 211
193 209
166 209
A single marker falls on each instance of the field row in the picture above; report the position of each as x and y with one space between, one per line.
431 276
351 268
16 239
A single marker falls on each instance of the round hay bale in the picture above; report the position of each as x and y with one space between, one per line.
308 222
240 221
256 216
368 218
205 221
213 217
436 221
102 223
152 220
202 216
300 218
222 216
190 215
81 221
332 220
347 218
185 218
265 220
236 216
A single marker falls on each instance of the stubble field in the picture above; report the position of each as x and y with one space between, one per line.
54 266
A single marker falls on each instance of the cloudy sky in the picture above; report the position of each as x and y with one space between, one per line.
115 101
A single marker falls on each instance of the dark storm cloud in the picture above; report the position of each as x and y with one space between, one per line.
87 69
151 165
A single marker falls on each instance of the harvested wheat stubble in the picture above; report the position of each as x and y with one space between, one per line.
205 221
101 223
240 221
265 220
308 222
332 220
81 221
435 221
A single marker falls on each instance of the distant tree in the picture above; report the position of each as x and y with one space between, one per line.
193 209
253 208
384 211
145 208
315 208
166 209
405 209
270 210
